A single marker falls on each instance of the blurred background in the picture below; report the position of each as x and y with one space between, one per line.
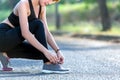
78 16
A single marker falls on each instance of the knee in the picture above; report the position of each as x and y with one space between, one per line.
36 25
39 24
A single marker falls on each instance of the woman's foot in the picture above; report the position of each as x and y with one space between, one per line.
5 60
54 68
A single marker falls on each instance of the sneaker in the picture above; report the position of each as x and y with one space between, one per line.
54 68
7 69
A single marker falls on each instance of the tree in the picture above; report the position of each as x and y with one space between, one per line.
105 19
57 16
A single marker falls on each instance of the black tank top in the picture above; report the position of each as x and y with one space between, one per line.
14 20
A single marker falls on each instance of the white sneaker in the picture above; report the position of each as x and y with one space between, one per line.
54 68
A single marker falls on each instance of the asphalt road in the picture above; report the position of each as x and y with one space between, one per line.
87 60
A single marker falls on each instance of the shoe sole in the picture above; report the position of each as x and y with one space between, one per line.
54 72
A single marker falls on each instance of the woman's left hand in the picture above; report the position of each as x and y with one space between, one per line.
60 57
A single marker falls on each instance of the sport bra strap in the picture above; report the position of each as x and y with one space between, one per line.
31 8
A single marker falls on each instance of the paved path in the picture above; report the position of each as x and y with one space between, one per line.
87 59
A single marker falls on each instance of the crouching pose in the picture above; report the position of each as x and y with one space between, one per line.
25 34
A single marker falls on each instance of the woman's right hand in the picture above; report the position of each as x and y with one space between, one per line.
52 57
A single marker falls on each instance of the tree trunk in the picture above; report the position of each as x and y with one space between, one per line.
57 16
105 19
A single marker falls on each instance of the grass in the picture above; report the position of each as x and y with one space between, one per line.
88 28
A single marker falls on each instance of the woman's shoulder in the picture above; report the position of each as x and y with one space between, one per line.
21 4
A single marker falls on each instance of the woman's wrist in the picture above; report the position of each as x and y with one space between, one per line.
56 51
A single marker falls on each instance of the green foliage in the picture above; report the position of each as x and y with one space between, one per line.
118 7
62 1
4 14
90 1
69 1
78 12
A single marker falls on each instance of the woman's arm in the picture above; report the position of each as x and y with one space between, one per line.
22 13
50 39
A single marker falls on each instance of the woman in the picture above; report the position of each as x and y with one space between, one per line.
25 34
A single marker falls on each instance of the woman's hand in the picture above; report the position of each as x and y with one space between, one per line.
60 57
52 57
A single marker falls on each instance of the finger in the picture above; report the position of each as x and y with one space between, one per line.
56 59
61 60
53 59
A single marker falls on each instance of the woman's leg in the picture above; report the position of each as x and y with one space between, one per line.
37 28
25 50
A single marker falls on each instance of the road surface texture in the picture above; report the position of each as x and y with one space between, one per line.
87 60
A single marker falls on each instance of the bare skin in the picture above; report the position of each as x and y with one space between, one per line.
23 11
